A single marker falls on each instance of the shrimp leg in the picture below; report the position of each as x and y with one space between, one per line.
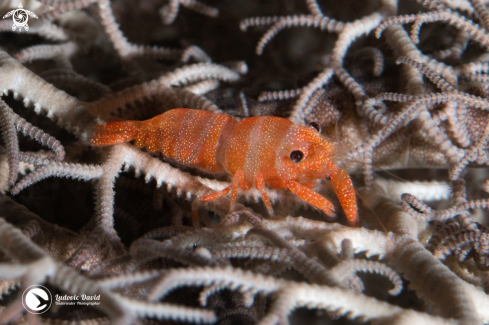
311 197
260 186
345 192
238 180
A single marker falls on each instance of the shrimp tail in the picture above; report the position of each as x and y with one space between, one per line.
112 132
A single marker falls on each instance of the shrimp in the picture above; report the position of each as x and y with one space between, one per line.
260 151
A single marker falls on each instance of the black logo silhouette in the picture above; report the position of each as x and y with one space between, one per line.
42 301
37 299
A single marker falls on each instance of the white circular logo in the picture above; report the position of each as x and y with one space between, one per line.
37 299
20 17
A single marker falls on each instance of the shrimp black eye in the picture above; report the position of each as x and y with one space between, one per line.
315 125
296 156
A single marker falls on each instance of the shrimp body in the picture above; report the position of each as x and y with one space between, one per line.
260 151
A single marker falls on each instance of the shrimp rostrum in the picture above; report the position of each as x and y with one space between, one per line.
257 151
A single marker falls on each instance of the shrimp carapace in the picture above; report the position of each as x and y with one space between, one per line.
260 151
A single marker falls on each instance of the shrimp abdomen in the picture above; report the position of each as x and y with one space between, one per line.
190 137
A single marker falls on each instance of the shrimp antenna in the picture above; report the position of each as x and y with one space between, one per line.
364 201
380 168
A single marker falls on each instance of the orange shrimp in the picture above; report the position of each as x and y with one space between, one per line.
260 151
